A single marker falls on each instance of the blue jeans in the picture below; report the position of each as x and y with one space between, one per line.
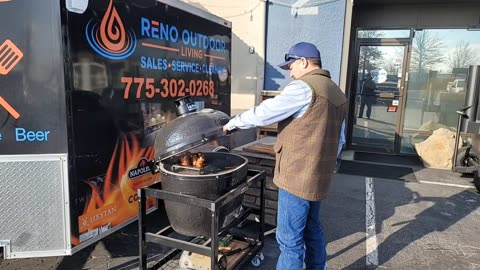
299 233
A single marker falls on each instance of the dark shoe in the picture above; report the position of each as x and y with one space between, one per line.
359 116
368 117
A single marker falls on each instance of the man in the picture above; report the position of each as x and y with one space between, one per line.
310 111
367 89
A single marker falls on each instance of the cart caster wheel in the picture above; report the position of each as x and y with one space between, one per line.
257 261
476 181
222 263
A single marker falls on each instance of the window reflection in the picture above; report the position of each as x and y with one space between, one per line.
436 84
397 33
377 87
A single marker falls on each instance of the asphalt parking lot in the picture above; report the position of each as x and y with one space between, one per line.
369 223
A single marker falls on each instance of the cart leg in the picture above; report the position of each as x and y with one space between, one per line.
214 237
262 207
142 244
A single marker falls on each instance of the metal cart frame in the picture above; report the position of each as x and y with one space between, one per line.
253 177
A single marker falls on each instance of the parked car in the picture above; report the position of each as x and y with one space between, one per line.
456 86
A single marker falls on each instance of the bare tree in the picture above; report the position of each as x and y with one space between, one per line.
369 58
393 63
369 55
426 51
463 55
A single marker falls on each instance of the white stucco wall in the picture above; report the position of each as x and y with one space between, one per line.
289 21
248 33
320 22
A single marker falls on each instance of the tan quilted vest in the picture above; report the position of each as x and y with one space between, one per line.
306 147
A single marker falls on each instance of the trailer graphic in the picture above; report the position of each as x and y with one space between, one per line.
93 91
10 55
9 108
110 40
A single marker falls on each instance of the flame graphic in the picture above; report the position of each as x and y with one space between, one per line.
126 155
111 40
112 33
114 201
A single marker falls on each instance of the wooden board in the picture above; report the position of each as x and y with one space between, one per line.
260 148
234 259
203 262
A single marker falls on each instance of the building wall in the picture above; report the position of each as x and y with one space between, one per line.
318 22
248 46
248 54
288 22
451 15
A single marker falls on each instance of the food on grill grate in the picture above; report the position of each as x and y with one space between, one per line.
200 162
196 160
185 159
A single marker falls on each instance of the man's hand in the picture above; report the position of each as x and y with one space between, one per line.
228 130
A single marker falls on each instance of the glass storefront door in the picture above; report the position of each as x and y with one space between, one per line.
406 84
436 86
378 92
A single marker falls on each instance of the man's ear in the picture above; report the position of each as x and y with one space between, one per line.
305 62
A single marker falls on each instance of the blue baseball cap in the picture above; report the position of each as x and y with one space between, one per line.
299 50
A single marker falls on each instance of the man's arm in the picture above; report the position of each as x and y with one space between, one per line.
293 100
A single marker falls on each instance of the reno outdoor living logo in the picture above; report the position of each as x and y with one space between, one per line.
109 38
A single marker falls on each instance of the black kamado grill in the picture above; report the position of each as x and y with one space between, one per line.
221 173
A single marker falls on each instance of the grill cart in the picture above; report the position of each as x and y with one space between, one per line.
199 197
199 252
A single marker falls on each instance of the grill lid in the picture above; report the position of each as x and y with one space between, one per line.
190 129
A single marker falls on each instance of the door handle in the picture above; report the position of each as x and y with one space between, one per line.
387 95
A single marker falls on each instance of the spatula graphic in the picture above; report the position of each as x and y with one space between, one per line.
10 55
